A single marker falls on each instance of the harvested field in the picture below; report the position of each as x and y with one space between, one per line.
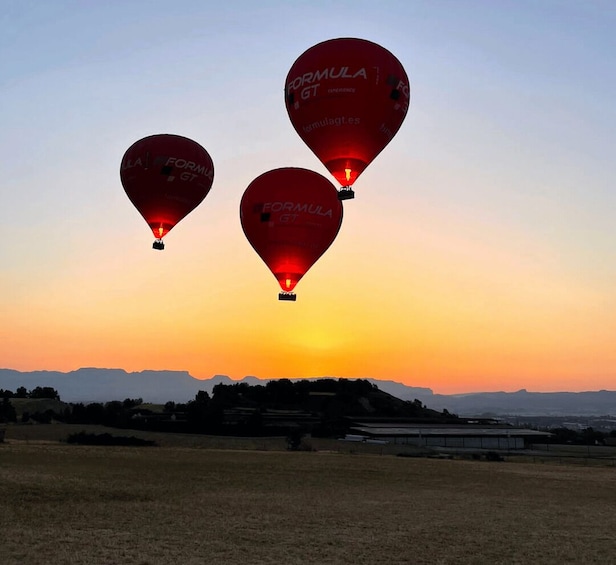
195 504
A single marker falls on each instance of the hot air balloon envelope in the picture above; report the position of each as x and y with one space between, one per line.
347 98
166 177
290 217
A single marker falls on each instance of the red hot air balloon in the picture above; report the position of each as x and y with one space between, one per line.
166 177
346 99
290 216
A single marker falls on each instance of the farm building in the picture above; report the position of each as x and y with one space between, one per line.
461 436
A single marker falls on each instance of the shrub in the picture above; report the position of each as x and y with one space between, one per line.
82 438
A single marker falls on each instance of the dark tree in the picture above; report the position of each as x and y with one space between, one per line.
131 403
563 435
7 411
43 417
203 414
94 413
202 397
294 439
44 392
281 392
591 436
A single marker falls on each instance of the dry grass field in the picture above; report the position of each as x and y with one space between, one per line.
189 502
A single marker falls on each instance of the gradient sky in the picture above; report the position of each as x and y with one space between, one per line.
478 255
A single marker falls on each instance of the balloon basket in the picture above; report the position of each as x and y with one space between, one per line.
158 244
287 296
346 193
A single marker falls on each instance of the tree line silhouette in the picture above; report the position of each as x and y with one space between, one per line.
322 407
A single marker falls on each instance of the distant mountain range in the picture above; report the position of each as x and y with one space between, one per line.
103 385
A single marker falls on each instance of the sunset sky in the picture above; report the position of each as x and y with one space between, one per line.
478 255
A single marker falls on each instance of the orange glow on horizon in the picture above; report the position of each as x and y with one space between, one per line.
467 314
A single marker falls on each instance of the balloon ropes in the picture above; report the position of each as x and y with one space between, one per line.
347 98
166 177
290 216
